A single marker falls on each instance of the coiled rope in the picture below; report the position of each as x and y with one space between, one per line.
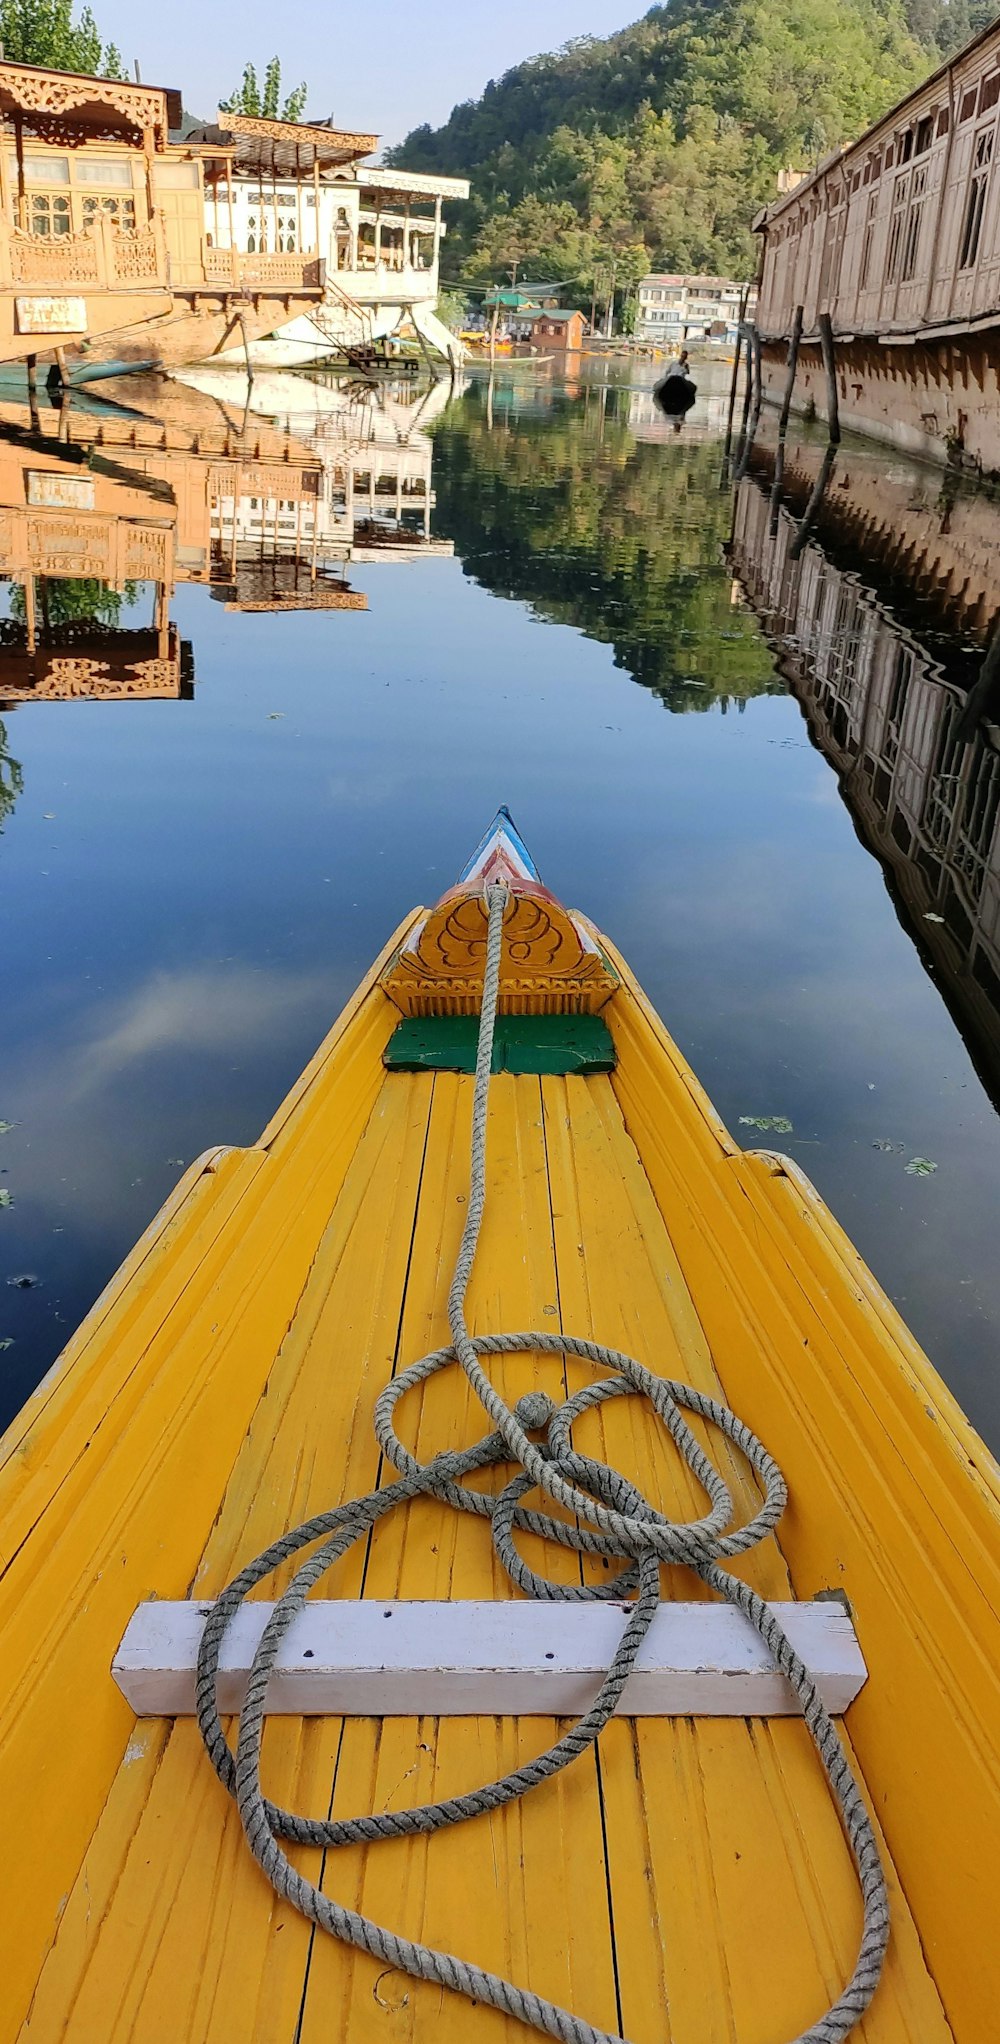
613 1520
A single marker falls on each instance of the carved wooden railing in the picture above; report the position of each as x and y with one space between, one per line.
72 259
105 257
245 271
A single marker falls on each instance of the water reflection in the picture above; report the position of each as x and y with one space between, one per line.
620 536
264 493
897 710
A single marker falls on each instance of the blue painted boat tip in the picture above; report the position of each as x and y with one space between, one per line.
503 825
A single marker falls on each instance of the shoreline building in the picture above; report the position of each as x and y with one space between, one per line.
675 309
896 237
119 240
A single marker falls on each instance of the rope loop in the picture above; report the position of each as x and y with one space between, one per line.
611 1520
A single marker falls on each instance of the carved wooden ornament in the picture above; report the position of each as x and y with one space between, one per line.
552 963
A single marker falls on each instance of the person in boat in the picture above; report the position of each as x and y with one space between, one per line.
675 393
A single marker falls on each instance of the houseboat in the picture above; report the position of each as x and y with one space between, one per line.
896 238
119 241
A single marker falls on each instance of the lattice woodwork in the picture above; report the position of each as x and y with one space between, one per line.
59 92
227 481
69 546
72 259
331 140
135 256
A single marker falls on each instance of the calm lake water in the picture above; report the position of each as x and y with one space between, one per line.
752 770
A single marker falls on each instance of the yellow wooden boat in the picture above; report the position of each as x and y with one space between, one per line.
687 1880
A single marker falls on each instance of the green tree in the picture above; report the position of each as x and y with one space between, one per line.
263 102
669 135
11 778
74 599
453 311
43 32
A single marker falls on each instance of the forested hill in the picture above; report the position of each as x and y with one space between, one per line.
657 144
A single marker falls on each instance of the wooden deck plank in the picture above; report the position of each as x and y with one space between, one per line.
698 1872
522 1924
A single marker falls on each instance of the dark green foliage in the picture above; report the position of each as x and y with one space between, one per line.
658 144
43 32
70 599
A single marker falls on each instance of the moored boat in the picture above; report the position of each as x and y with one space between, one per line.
689 1875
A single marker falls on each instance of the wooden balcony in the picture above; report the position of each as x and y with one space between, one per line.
288 275
102 258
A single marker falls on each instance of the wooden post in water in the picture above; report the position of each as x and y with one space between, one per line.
755 388
744 300
817 494
793 363
825 325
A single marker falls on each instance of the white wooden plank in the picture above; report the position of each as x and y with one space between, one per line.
516 1659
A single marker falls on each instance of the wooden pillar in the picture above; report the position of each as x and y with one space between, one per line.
232 215
31 367
825 325
793 359
378 237
319 249
29 612
162 620
22 196
298 200
437 230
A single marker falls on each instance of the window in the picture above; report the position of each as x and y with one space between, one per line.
968 106
120 210
911 239
900 196
990 92
943 121
49 215
103 170
866 245
925 134
975 205
43 170
904 149
175 177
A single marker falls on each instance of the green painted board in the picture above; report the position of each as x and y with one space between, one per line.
546 1044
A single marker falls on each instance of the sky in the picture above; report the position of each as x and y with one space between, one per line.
412 65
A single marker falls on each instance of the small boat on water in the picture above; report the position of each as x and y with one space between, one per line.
675 394
315 1344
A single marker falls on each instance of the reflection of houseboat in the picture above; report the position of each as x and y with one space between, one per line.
918 757
182 250
373 447
109 505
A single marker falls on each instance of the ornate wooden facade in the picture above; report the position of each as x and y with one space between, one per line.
83 245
